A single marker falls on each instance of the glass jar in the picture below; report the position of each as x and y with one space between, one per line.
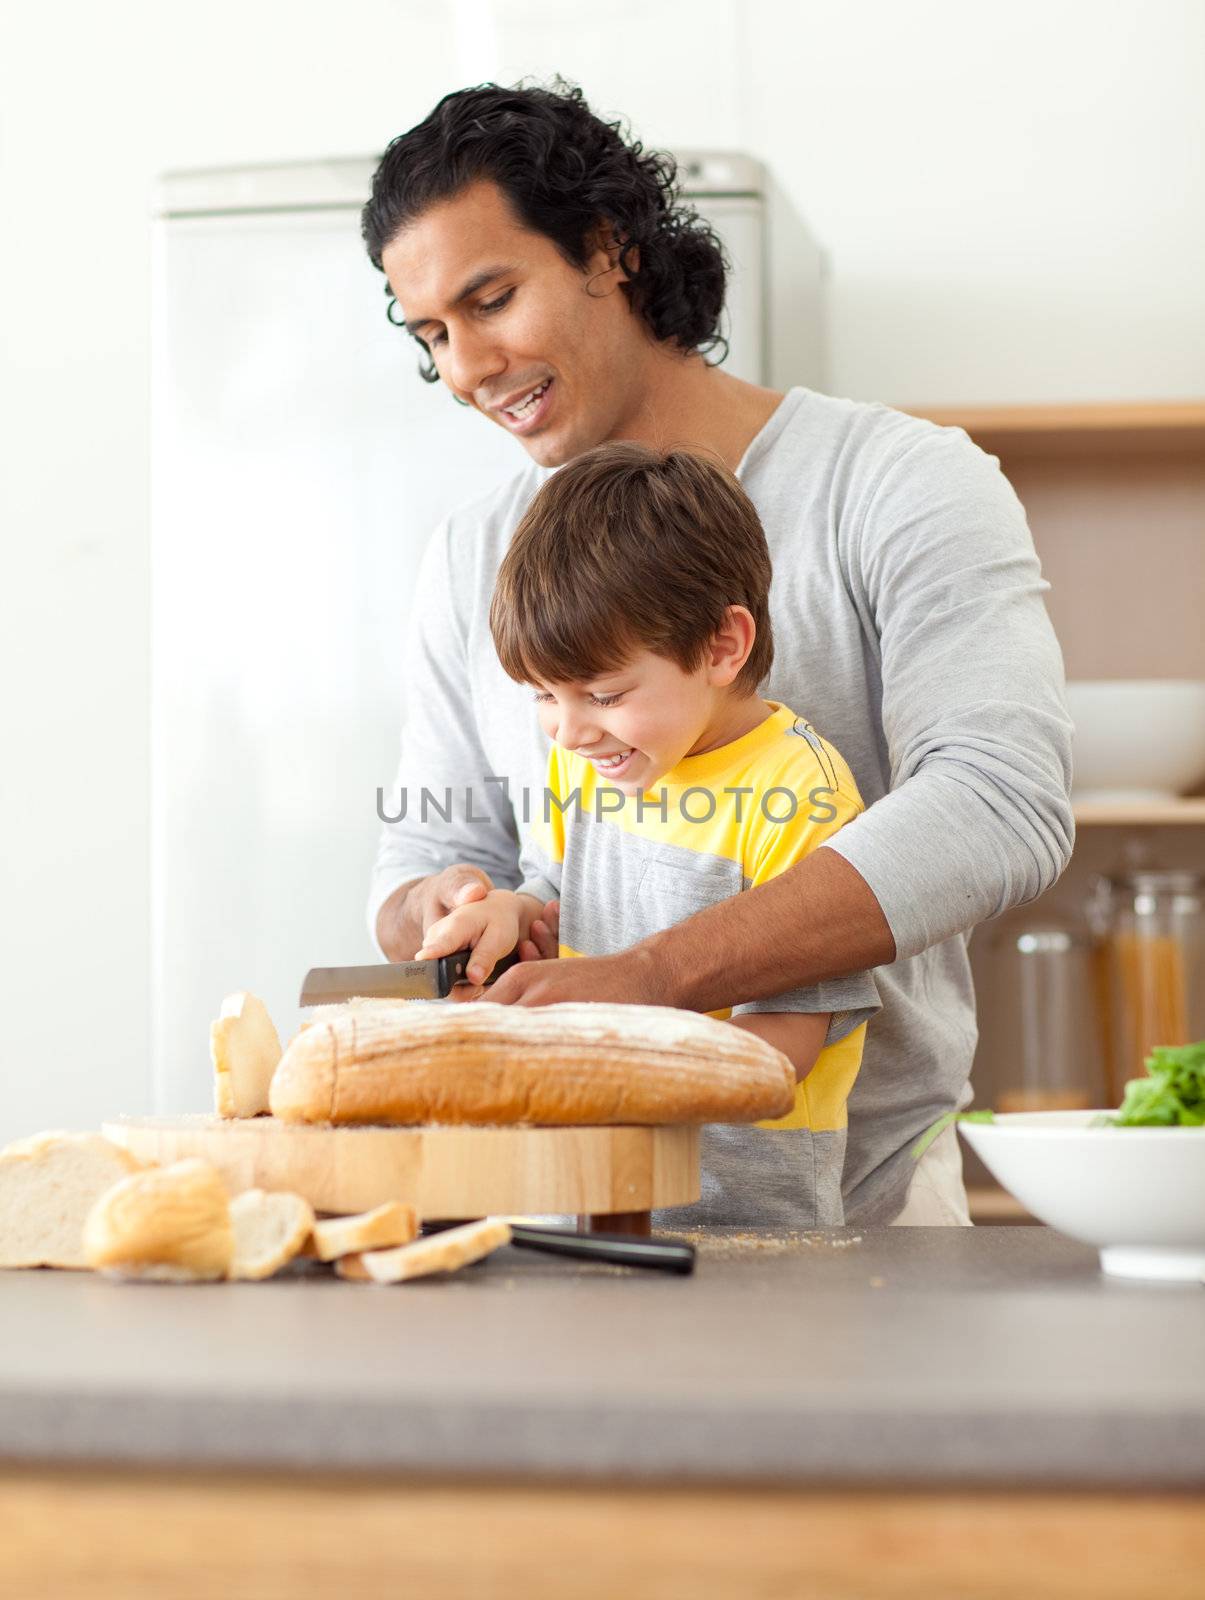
1050 1023
1151 928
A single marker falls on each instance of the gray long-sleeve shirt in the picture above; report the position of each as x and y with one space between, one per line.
909 628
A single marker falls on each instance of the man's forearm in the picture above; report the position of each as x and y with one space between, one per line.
818 920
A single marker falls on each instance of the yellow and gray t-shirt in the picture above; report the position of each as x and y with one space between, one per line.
624 867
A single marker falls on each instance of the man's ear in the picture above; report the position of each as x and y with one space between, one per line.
730 645
607 240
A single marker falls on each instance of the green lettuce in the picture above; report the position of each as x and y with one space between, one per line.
1171 1095
942 1123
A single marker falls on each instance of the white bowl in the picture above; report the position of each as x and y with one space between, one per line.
1138 1194
1137 741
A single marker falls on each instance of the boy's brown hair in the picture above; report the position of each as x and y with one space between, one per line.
627 547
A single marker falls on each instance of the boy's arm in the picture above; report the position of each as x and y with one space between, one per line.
503 920
800 1035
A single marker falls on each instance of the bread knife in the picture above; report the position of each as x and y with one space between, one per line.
393 980
662 1253
621 1249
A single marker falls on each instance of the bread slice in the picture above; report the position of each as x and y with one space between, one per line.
244 1048
390 1224
171 1223
48 1184
439 1252
578 1062
270 1228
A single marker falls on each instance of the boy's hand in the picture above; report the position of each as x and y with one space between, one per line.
491 927
544 940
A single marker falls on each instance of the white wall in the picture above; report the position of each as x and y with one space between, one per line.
1010 196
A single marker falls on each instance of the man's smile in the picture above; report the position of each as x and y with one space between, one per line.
525 411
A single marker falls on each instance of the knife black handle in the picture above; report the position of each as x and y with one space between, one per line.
452 970
661 1254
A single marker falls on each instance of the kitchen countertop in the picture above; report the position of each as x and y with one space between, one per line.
891 1356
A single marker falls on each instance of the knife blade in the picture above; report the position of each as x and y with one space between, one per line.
393 980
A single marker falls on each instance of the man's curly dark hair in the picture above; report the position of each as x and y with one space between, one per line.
564 170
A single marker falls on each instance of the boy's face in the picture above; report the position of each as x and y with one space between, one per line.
503 315
636 723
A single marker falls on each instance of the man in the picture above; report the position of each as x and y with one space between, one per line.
555 286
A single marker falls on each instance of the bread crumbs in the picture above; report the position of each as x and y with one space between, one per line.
767 1244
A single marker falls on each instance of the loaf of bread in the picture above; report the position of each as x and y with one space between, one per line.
48 1184
548 1066
168 1223
439 1252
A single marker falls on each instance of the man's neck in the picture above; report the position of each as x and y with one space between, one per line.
683 401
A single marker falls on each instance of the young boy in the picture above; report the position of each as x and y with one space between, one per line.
634 599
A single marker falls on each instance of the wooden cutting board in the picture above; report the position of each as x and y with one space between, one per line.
444 1172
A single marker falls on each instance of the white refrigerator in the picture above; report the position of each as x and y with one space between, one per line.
299 466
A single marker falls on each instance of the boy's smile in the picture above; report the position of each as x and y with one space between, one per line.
637 723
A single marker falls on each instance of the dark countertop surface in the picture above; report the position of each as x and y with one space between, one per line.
889 1357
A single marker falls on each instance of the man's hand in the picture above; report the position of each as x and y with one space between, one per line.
630 977
410 911
491 926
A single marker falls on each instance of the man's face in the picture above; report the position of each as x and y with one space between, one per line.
633 724
549 352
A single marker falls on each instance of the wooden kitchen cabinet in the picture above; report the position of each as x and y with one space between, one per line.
1115 496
